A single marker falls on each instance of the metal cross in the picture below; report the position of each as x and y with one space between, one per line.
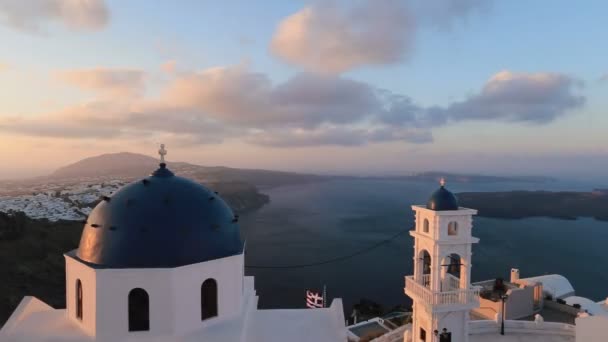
162 152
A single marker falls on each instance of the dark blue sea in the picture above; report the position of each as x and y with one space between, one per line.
314 222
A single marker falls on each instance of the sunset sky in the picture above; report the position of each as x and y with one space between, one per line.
354 87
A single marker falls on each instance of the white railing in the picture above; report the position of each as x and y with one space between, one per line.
426 280
450 283
459 296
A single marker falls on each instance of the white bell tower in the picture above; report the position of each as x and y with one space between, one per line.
441 287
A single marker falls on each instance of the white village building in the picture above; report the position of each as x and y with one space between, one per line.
162 260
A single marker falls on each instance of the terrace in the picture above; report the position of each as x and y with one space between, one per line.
449 298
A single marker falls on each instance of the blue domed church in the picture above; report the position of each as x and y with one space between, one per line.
162 260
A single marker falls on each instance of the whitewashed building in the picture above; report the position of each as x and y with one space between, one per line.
162 260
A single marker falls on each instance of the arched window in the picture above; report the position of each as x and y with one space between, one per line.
139 310
425 226
208 299
453 228
78 299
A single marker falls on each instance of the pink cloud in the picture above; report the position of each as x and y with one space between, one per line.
334 38
114 81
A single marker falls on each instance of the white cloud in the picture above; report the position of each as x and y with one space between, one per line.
337 36
32 15
333 37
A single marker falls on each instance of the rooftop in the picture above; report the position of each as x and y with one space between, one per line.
520 337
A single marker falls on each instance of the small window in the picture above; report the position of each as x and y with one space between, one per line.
425 226
139 310
208 299
422 334
78 299
453 228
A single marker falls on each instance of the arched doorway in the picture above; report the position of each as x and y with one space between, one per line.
139 310
208 299
78 299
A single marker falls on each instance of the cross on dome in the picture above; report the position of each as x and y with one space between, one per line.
442 181
162 152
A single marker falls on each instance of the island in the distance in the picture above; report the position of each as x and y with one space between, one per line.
523 204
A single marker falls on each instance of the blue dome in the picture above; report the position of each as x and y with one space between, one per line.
441 200
162 221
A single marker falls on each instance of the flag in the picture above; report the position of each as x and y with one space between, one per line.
314 300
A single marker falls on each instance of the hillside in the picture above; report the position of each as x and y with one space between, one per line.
114 164
72 191
38 246
126 164
522 204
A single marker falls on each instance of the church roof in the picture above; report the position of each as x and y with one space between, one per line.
442 199
556 285
596 309
161 221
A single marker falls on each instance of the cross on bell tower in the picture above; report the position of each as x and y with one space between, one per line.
440 286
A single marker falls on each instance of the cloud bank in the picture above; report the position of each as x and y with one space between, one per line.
520 97
307 109
32 15
337 36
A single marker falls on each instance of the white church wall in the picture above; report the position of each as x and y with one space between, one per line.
113 287
463 225
455 323
187 282
520 303
591 329
524 327
439 220
337 313
174 296
75 270
422 320
28 305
